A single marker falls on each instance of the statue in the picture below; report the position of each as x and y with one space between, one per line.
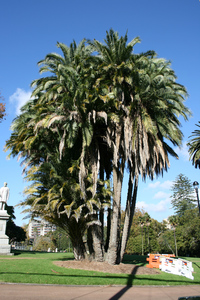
4 195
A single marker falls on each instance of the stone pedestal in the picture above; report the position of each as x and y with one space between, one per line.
4 240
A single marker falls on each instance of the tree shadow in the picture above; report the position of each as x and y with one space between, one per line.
128 286
63 258
118 295
130 278
196 265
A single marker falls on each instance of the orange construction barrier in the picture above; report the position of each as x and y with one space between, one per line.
154 259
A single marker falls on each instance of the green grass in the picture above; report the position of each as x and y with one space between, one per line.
38 268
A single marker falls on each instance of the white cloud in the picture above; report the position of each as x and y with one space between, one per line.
19 98
161 195
165 185
161 206
183 151
154 185
141 204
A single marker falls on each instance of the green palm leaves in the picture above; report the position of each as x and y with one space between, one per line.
194 147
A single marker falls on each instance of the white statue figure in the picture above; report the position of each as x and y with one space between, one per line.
4 195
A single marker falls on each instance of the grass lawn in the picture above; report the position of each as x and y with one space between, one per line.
31 267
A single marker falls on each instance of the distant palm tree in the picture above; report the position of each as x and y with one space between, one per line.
147 220
141 221
173 220
194 147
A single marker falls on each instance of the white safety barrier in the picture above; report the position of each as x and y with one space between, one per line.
176 266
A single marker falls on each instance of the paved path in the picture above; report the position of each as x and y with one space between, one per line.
11 291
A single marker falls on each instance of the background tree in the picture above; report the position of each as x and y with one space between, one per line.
184 242
14 232
135 243
60 239
141 221
173 220
166 242
183 195
43 243
147 222
188 233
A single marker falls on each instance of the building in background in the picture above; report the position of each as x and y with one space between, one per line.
39 227
167 224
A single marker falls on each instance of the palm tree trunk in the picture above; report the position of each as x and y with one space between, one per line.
79 251
101 213
75 230
133 203
148 238
90 243
112 254
142 240
97 243
78 248
175 242
108 229
129 213
127 216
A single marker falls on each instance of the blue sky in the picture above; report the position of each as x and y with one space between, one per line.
30 29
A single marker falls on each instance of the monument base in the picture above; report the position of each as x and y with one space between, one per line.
5 248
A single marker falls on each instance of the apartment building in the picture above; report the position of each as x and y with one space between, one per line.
39 227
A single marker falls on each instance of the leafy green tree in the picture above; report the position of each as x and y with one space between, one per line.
183 238
43 243
166 242
146 239
14 232
183 195
155 230
188 233
60 239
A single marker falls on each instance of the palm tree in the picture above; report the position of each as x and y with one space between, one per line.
104 110
141 222
194 147
173 220
62 115
145 102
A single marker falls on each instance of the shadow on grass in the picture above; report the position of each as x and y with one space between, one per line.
127 287
196 265
129 283
21 252
63 258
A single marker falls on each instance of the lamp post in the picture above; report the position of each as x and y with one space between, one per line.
196 187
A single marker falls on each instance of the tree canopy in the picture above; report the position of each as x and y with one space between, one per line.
14 232
101 110
183 195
